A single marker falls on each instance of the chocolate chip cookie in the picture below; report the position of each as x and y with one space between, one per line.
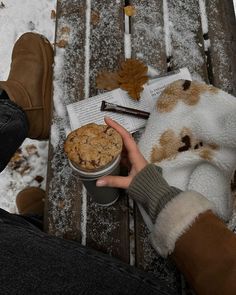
92 146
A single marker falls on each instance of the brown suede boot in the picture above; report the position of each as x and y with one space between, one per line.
29 83
30 201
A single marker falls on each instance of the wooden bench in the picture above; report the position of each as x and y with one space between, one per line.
166 35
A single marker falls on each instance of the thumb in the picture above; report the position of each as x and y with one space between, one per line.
114 181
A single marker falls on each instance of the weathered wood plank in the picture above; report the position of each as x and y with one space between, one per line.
106 38
148 259
186 37
107 228
148 44
148 40
62 212
222 51
222 35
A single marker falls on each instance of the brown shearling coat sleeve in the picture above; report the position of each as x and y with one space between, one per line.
206 255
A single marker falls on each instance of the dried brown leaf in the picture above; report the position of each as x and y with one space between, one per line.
62 43
65 30
132 77
32 149
53 14
39 178
95 17
107 80
130 10
61 204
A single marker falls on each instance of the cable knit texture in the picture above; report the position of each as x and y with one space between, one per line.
151 190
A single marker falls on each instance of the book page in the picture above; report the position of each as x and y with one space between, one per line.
88 111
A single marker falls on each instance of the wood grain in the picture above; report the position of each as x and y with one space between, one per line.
62 210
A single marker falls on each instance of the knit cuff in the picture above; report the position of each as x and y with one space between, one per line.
176 218
151 190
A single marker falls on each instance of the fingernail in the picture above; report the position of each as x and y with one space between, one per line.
100 182
107 117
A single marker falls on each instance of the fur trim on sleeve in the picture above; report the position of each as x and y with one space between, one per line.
176 218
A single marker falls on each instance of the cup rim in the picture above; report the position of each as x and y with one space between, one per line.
95 174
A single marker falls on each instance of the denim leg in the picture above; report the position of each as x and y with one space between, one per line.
13 130
33 262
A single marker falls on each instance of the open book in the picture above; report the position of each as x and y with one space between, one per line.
88 110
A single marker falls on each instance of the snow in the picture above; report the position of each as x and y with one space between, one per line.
127 45
167 29
87 48
202 5
84 217
16 18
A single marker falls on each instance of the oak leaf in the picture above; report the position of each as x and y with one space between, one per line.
132 77
107 80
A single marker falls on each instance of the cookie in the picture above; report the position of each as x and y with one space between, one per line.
92 146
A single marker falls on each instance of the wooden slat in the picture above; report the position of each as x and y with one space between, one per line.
187 38
106 38
62 213
148 259
148 41
148 44
107 228
222 35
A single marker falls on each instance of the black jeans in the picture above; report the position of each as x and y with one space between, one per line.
33 262
13 130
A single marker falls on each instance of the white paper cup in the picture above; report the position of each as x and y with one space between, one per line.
103 196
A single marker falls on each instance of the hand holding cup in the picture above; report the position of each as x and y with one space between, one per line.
131 157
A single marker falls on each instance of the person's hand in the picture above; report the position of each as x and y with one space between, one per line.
131 157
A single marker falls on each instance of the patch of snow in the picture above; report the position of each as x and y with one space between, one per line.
167 28
84 217
87 48
58 95
127 43
203 14
204 21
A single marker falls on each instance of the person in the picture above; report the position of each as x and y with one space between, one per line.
186 227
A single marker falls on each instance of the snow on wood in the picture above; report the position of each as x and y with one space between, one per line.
187 37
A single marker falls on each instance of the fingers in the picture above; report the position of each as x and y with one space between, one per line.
134 155
114 181
128 140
